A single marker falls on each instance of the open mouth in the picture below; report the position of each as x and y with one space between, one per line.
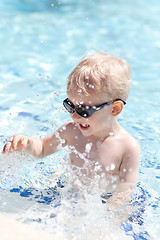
84 126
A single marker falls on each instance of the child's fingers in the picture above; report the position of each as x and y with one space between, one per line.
7 146
16 139
16 142
24 141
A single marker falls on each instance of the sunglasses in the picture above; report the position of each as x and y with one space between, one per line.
86 111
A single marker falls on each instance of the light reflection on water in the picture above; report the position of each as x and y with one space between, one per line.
40 44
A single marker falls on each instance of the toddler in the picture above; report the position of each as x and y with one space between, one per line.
99 146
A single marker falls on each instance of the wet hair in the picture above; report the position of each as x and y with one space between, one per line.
101 73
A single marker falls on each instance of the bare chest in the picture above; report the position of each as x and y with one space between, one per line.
93 158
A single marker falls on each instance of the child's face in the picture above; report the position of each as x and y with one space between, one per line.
100 122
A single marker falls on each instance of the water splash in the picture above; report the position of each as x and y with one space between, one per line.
41 197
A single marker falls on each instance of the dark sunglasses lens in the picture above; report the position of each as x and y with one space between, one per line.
68 107
83 112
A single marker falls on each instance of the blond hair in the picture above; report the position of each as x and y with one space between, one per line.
101 72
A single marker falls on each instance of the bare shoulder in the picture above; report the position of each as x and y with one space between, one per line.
131 153
67 130
60 138
130 143
68 126
124 144
130 159
123 141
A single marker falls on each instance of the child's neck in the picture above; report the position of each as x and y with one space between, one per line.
109 131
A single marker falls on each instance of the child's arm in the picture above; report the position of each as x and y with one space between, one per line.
128 177
37 147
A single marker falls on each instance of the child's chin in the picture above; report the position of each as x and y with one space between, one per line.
86 133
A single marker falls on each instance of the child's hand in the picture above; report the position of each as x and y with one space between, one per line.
17 142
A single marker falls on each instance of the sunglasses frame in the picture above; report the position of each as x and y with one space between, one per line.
88 111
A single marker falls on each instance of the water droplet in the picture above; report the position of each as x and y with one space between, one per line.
79 90
107 168
98 143
114 186
112 166
111 134
62 141
91 86
47 76
88 147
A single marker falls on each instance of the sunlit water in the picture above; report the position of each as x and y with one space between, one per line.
40 43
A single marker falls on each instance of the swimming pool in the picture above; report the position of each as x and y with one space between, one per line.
40 43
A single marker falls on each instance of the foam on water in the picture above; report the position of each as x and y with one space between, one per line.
39 198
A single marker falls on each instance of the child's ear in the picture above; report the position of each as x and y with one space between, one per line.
117 108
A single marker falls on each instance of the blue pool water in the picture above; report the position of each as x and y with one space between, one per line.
40 43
